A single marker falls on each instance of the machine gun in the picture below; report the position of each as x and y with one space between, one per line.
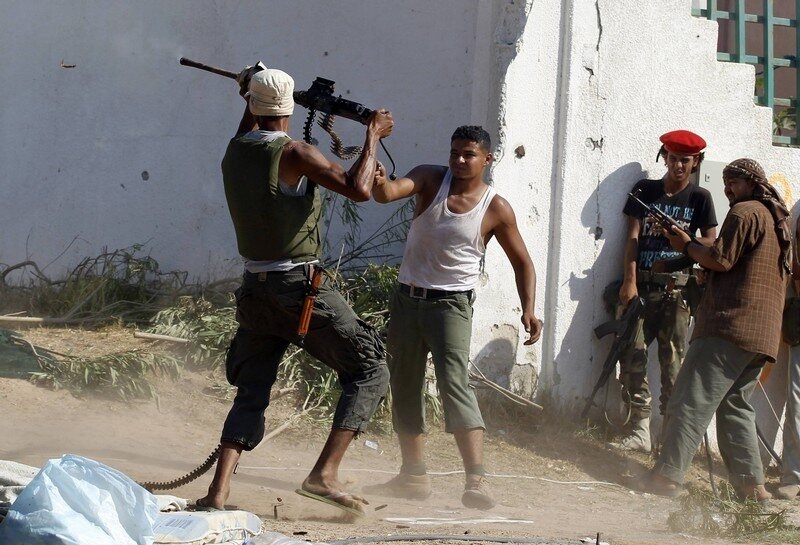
624 331
319 97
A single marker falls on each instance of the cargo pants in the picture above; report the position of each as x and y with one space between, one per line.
666 320
717 377
268 307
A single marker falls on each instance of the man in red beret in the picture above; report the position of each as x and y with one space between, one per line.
648 255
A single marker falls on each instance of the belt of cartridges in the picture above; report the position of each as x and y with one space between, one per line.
185 479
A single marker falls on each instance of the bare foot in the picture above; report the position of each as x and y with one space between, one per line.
332 490
215 499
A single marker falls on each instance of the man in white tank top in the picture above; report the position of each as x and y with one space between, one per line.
456 215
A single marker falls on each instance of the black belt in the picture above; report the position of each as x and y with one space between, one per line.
662 279
416 292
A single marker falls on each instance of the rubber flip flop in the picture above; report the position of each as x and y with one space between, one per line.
330 499
201 505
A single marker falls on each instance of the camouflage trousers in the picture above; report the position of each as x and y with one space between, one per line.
666 320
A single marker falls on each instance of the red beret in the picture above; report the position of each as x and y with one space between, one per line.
683 142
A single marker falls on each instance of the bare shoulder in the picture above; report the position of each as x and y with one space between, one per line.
297 149
426 179
299 158
500 209
427 174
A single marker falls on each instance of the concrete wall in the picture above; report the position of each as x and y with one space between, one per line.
593 85
125 146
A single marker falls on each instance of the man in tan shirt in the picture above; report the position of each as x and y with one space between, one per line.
737 331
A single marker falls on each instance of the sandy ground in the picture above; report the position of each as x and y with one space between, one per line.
551 483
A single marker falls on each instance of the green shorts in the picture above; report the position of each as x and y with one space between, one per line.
441 327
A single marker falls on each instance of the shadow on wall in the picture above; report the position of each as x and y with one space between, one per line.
496 360
579 359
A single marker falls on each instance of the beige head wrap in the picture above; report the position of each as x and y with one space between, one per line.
748 169
270 93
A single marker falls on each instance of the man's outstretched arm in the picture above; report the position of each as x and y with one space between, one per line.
386 191
301 159
510 240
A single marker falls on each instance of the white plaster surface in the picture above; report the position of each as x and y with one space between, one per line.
629 71
75 142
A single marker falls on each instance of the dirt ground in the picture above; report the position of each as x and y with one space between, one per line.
550 477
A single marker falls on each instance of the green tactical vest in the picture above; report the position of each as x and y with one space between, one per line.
269 225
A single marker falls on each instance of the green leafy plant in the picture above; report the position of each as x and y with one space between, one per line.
357 251
208 327
123 373
119 285
703 514
783 121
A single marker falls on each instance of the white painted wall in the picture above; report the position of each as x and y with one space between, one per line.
629 71
75 142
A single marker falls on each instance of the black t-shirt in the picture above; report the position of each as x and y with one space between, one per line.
692 208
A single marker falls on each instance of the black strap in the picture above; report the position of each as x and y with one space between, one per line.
415 292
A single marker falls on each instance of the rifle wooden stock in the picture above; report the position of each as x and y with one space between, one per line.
208 68
308 304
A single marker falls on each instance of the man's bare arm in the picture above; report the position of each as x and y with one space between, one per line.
248 121
707 236
301 159
510 240
385 190
628 290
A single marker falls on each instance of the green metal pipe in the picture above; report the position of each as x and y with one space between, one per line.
769 54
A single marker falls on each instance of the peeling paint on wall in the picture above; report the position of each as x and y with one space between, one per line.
510 20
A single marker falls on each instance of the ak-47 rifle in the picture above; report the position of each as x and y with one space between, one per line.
668 224
624 331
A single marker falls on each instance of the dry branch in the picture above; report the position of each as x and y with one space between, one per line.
7 270
156 337
507 393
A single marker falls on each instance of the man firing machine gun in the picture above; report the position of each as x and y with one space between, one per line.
271 186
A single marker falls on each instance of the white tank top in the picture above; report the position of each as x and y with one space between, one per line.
443 249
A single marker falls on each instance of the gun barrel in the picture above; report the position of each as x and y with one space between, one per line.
213 69
639 201
664 219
